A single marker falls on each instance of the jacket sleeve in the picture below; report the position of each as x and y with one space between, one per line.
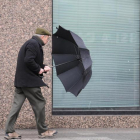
30 55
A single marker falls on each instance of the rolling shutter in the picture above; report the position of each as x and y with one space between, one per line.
110 30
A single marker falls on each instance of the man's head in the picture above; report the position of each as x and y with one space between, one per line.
43 34
44 38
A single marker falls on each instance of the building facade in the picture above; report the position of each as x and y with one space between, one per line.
110 30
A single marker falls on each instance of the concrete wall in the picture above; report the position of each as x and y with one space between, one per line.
18 21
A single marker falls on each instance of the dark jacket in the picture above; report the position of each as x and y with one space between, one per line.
29 61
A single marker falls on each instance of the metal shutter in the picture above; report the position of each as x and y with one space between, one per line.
110 30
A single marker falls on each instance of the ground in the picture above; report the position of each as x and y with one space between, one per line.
83 134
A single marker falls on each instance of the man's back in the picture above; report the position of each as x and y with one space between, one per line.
29 62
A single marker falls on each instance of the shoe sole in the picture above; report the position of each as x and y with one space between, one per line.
8 138
55 133
42 137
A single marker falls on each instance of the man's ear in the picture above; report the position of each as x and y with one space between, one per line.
42 36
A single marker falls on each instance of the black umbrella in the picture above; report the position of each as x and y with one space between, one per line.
72 59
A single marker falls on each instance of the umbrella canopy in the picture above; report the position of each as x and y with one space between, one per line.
72 59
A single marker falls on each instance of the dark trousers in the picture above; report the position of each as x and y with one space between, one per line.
37 102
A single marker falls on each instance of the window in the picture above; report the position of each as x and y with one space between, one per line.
110 30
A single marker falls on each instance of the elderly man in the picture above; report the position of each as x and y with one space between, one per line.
28 80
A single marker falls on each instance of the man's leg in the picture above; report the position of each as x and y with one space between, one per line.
37 102
19 99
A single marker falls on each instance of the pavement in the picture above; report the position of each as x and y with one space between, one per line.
82 134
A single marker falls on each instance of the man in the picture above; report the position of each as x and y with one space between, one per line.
28 80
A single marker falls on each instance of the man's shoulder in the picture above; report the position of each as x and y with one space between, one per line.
32 41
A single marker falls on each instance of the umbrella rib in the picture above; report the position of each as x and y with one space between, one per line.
76 52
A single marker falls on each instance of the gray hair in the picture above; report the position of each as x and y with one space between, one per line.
38 35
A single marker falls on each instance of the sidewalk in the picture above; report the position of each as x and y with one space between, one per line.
83 134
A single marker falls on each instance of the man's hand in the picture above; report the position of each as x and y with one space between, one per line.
41 71
47 68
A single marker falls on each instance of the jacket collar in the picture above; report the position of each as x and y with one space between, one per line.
39 40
